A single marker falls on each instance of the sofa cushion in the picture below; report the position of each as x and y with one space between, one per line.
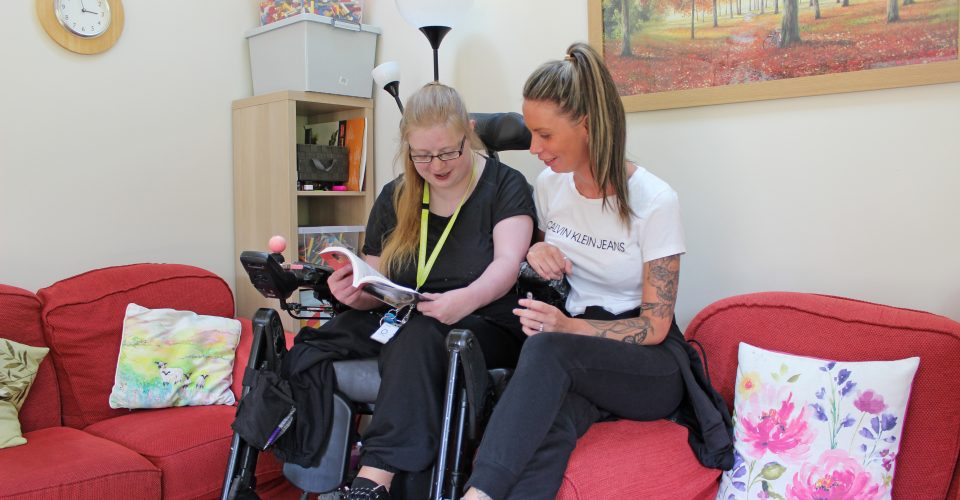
806 424
174 358
636 460
189 444
83 316
18 369
20 322
849 330
61 462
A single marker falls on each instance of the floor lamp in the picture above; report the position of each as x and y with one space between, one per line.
434 18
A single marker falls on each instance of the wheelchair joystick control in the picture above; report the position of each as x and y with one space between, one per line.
276 279
277 244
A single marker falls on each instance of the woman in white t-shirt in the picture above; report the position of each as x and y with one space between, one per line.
613 229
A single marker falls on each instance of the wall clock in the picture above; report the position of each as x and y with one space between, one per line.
82 26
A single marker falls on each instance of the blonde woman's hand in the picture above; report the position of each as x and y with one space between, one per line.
448 307
341 286
538 317
548 261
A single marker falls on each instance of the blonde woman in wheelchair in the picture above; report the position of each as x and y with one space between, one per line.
478 217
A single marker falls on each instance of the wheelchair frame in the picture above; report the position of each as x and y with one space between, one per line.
464 403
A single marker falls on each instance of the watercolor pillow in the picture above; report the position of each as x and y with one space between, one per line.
810 428
18 369
174 358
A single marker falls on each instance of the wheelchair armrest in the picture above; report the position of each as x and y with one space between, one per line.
498 381
475 376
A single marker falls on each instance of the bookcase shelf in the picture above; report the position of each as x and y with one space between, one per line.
331 193
266 129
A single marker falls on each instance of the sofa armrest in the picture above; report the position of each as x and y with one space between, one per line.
843 329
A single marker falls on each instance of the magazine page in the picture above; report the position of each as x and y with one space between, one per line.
370 279
337 257
393 294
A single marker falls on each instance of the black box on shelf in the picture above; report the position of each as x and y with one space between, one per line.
317 162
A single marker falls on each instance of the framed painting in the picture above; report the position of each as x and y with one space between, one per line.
680 53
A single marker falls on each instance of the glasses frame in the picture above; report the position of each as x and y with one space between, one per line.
445 156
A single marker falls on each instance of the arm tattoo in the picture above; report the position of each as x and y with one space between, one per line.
664 275
631 330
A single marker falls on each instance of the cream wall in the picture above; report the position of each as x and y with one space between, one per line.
850 194
126 156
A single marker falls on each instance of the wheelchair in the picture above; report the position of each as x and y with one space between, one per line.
470 387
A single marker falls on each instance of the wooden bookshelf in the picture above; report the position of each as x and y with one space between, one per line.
266 130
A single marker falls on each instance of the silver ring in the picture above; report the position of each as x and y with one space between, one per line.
541 327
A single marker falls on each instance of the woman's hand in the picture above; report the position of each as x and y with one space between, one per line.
448 307
341 286
548 261
537 317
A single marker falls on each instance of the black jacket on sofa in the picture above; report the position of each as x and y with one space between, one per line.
703 411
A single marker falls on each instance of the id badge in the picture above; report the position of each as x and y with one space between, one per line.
385 332
390 324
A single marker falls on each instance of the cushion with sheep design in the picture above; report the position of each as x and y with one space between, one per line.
174 358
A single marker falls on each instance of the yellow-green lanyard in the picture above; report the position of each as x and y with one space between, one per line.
423 270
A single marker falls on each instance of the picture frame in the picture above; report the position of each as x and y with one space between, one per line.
946 69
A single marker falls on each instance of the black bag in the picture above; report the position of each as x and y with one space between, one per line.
553 292
266 411
318 163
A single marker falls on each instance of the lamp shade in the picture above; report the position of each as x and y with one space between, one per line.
420 13
385 73
387 76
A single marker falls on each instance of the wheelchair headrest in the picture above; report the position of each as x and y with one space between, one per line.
502 131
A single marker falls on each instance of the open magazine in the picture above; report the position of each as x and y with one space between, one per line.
369 279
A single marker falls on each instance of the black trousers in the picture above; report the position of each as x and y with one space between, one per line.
404 434
562 385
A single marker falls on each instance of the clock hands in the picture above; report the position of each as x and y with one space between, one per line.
83 9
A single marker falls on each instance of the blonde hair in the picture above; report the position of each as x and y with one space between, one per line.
581 86
432 105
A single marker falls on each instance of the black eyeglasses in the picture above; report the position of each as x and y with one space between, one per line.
447 156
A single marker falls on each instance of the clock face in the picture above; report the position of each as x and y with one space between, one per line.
86 18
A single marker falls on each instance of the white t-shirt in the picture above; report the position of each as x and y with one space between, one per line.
607 257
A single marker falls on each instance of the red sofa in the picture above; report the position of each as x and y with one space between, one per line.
626 459
80 448
77 446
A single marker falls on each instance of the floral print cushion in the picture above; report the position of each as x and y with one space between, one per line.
807 428
174 358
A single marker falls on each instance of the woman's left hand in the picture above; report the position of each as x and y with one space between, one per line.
448 307
537 317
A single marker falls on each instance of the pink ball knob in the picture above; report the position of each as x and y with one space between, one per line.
277 244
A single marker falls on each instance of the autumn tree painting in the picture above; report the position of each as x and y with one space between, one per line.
655 46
